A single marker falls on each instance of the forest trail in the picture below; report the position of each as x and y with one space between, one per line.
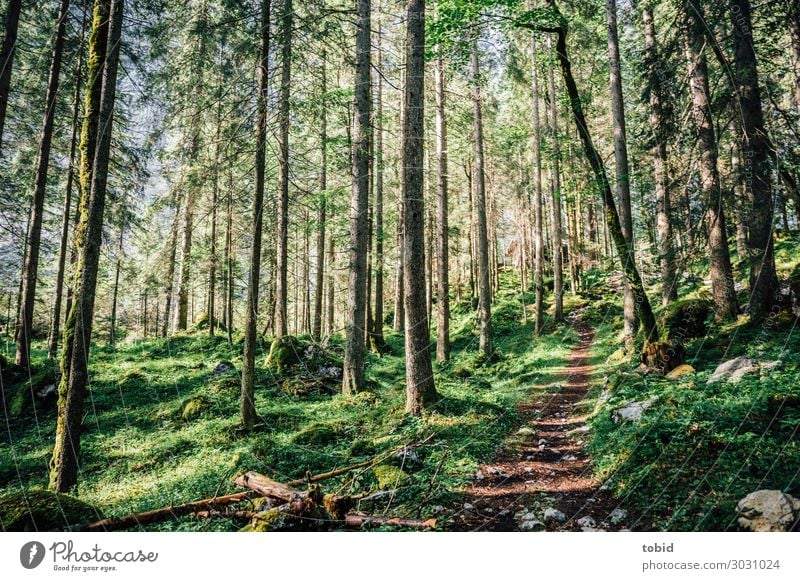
544 464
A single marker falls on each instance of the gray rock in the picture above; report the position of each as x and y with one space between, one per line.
632 411
587 521
735 369
531 525
437 508
767 510
568 458
554 515
618 514
468 507
221 369
542 442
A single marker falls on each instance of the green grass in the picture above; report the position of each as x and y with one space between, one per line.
139 453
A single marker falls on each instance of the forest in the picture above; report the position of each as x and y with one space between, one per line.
455 265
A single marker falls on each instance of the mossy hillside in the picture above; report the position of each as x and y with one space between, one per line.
139 453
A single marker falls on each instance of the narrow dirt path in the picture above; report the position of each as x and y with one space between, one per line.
544 465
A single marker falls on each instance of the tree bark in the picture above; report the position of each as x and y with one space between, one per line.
115 293
794 29
55 327
538 225
377 329
72 390
479 210
420 388
442 235
721 271
281 287
763 279
353 379
212 267
656 118
322 205
7 58
555 186
32 247
247 406
621 162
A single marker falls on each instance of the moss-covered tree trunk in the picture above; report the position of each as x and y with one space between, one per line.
353 379
442 227
613 224
106 33
247 407
420 388
31 259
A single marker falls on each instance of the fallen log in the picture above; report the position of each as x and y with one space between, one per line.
241 514
357 520
152 516
266 486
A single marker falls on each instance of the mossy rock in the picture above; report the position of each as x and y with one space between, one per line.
362 448
201 322
131 378
268 520
193 408
686 319
42 510
315 434
462 372
390 477
284 353
226 384
680 371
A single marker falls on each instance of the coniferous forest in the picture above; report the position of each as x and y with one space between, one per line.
455 265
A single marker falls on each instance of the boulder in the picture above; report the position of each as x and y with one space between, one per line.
662 356
768 511
680 371
686 319
632 411
735 369
42 510
531 525
587 522
553 515
194 408
618 515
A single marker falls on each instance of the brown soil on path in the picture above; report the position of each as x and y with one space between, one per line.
544 465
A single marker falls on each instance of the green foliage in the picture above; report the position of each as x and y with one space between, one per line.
41 510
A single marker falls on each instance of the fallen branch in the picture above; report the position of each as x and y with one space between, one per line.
242 514
152 516
357 520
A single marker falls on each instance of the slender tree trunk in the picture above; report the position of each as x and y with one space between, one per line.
377 330
212 267
7 58
399 292
479 210
621 162
793 17
353 379
322 206
558 266
613 223
117 266
420 388
229 262
55 327
721 271
74 380
281 288
442 235
655 72
538 227
740 193
331 288
247 406
763 280
173 251
31 258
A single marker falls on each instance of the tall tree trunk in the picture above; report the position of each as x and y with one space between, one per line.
78 329
322 205
721 271
793 17
247 406
7 58
399 292
377 329
442 234
281 288
538 226
420 388
330 288
666 252
613 223
555 186
55 327
621 162
212 267
112 339
763 280
31 258
479 210
353 379
173 251
229 262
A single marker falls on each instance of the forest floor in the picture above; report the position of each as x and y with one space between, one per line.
545 463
